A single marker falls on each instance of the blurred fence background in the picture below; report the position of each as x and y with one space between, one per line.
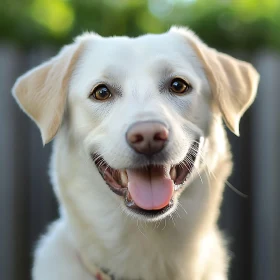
32 30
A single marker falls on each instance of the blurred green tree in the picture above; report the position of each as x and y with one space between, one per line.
233 25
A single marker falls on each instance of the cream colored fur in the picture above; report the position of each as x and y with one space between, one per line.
94 227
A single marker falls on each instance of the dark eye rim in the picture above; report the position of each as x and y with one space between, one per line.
93 91
186 83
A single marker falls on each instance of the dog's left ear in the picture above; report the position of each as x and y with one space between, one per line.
42 92
233 82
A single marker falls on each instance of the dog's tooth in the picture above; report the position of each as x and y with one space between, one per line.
128 196
124 179
173 173
128 200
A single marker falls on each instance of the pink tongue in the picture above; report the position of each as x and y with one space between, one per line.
150 189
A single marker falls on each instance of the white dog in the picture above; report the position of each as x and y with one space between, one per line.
140 155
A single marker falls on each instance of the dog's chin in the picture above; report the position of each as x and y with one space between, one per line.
149 192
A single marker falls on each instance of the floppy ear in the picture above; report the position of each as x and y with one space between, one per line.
233 82
42 92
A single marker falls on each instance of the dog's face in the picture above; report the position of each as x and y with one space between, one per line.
141 116
141 108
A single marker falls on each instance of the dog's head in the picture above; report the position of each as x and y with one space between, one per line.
141 109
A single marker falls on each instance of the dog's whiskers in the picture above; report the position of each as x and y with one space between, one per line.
235 189
157 224
182 208
171 217
164 224
177 213
228 184
140 229
195 168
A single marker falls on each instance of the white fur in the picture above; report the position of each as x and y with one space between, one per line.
94 224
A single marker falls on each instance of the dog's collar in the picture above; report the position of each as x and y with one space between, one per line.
98 273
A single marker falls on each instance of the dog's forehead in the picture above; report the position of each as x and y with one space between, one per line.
140 62
140 52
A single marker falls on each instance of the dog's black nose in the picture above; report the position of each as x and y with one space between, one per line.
147 137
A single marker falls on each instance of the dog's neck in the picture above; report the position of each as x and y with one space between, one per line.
128 248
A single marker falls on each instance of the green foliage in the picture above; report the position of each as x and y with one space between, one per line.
242 24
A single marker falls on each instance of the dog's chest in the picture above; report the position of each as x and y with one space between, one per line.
147 254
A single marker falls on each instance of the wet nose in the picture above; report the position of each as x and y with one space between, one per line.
147 137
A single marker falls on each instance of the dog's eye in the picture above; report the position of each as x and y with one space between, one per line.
179 86
101 93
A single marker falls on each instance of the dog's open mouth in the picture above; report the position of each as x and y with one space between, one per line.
148 190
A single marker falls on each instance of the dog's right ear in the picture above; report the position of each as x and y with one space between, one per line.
233 82
41 92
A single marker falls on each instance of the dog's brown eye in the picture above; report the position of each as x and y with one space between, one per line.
179 86
101 93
